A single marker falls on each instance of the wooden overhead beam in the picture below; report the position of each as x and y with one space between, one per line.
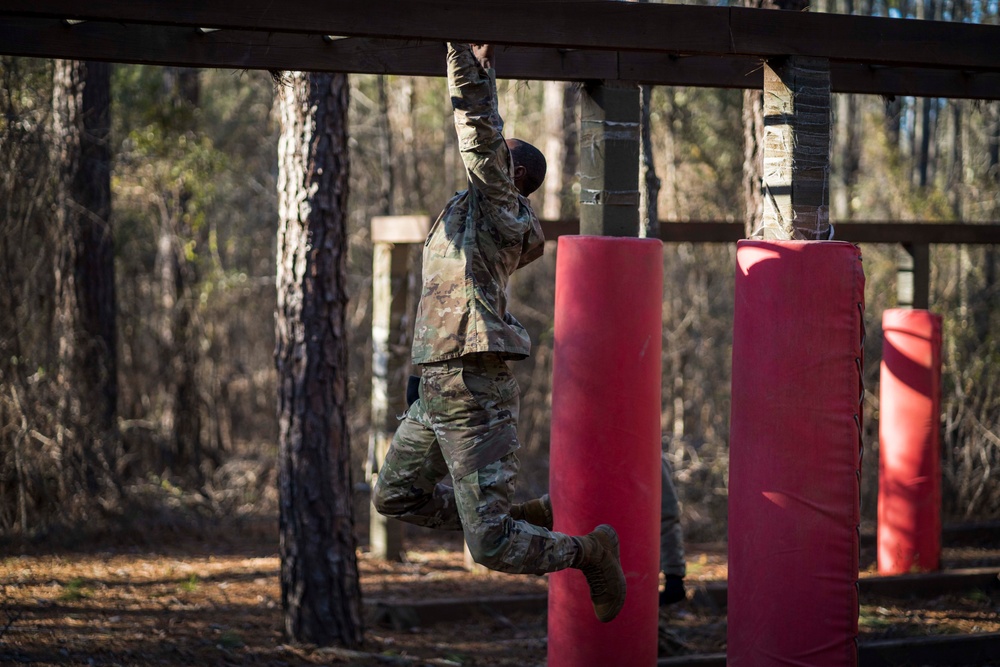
238 49
580 24
871 231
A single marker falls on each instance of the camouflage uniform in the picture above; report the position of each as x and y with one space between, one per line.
671 538
465 419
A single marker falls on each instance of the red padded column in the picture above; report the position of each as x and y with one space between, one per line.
795 449
605 448
909 432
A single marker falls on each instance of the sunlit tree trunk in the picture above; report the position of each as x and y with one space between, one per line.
846 155
669 182
895 109
553 148
320 593
922 141
927 109
992 269
387 171
993 140
84 275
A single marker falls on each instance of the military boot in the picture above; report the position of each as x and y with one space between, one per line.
673 590
601 565
537 512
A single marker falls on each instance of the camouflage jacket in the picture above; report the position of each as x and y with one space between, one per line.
482 236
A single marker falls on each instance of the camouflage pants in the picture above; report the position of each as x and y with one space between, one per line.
465 424
671 538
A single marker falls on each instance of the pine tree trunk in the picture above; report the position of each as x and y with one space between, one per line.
847 154
669 181
387 185
188 441
320 593
993 140
84 275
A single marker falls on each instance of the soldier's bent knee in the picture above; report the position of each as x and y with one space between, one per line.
384 502
488 546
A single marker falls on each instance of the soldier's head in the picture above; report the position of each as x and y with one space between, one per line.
529 166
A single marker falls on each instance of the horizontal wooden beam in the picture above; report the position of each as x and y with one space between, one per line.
577 24
855 232
187 47
715 594
242 49
944 650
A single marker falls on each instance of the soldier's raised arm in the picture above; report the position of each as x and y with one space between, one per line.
472 86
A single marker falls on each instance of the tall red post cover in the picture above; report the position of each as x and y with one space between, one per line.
795 454
909 483
605 447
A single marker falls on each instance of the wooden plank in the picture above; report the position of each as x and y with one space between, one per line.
976 649
918 232
705 660
715 594
186 47
908 81
944 650
930 584
405 614
973 533
400 228
856 232
897 41
616 26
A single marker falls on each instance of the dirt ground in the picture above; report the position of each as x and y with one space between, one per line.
217 602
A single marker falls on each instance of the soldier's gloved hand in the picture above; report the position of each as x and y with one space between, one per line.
484 53
412 390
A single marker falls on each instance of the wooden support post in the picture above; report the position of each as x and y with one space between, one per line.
913 276
609 159
393 239
796 150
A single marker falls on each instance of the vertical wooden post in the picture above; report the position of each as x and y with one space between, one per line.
913 276
796 150
609 159
393 238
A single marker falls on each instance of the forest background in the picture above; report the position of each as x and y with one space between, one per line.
194 164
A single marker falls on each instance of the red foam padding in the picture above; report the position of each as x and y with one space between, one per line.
909 482
605 447
795 449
